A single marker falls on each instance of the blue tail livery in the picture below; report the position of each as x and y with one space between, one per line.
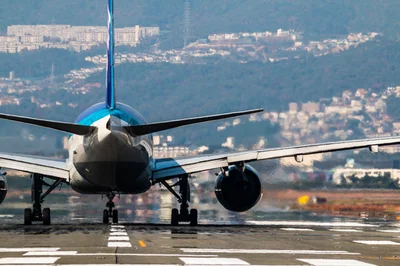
110 96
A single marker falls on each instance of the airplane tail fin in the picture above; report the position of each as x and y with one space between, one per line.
140 130
62 126
110 94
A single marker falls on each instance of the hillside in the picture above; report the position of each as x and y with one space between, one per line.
192 89
315 17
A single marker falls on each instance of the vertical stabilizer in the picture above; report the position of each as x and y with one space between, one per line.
110 96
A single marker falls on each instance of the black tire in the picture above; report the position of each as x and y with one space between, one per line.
174 217
115 216
193 217
46 216
105 217
27 217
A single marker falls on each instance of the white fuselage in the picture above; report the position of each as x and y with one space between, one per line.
110 160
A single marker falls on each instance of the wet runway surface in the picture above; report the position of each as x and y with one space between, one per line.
268 243
266 235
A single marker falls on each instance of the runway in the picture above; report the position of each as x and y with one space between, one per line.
267 243
266 235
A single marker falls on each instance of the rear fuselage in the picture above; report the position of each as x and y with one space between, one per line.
110 159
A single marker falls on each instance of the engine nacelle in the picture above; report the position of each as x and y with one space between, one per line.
3 188
238 190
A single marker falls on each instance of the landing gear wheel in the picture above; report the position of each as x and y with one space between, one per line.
46 216
174 217
105 217
27 217
193 217
115 216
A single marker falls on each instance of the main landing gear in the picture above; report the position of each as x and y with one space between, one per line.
184 190
110 213
36 214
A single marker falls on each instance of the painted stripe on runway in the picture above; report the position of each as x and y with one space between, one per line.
296 223
144 255
267 251
119 244
118 238
213 261
51 253
123 264
117 230
376 242
117 226
345 230
326 262
296 229
28 249
36 260
389 231
118 234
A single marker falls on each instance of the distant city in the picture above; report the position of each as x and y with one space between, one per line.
77 38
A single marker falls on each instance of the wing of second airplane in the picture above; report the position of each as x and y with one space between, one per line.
168 168
48 167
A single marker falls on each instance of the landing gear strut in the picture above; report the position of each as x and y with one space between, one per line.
36 214
184 190
110 213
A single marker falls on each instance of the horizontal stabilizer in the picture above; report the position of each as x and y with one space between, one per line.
140 130
63 126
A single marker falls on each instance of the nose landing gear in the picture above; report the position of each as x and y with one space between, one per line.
183 215
110 213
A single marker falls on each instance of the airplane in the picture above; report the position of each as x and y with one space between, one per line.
111 152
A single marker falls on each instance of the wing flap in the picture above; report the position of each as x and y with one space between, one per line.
30 164
172 167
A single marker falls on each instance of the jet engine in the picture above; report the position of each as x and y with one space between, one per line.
238 188
3 187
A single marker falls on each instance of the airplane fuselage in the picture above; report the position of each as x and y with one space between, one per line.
110 159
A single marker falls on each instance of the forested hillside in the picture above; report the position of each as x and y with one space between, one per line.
191 89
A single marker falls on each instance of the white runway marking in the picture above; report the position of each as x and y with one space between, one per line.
28 249
121 265
267 251
144 255
295 223
213 261
296 229
118 234
118 238
118 230
323 262
119 244
6 215
345 230
389 231
51 253
376 242
47 260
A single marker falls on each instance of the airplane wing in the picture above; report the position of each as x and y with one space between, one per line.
168 168
48 167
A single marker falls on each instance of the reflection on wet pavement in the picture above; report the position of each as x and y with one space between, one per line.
153 207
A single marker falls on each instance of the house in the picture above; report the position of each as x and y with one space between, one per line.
361 93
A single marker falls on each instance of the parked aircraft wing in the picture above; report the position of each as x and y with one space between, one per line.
171 167
48 167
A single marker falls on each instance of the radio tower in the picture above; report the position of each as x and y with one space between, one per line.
186 23
52 74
